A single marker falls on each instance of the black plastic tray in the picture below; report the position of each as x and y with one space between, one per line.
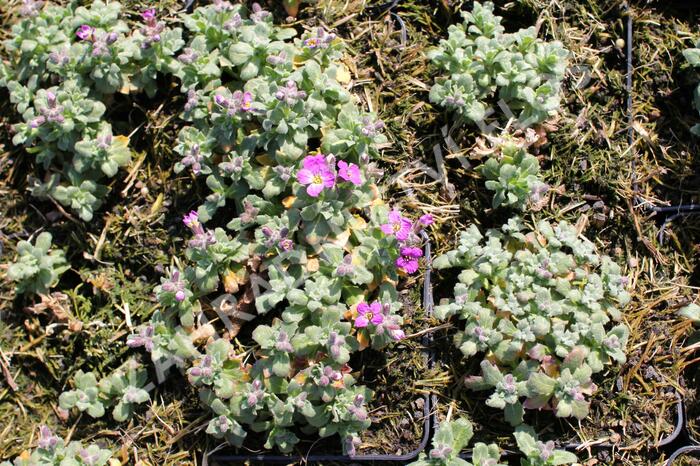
691 450
238 458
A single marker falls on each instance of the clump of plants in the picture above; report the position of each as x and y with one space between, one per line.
51 449
66 65
486 67
454 435
542 308
692 55
37 267
123 390
511 173
287 156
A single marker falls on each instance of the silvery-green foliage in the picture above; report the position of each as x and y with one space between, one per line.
691 312
82 196
450 439
453 436
165 341
692 55
101 151
513 175
57 120
37 267
538 453
85 396
65 62
268 114
484 65
53 450
123 390
541 307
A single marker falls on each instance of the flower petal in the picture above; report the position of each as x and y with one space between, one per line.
305 176
361 322
314 190
363 308
314 162
328 178
394 216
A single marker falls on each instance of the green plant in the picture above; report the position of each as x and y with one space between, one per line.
692 55
512 174
65 63
450 439
123 389
692 313
52 450
483 64
37 268
453 436
538 453
286 154
537 306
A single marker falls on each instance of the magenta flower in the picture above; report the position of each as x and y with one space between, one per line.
397 226
191 220
369 313
408 260
239 102
311 42
85 32
202 238
316 175
321 40
246 101
349 172
314 162
149 15
426 220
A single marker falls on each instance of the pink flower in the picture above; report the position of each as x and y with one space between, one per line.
85 32
314 162
311 42
149 15
369 313
239 102
397 226
426 220
408 260
246 100
349 172
191 220
316 175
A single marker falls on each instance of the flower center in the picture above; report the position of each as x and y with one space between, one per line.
397 227
317 179
369 315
